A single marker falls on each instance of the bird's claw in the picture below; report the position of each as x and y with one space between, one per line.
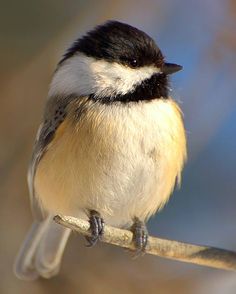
140 237
96 228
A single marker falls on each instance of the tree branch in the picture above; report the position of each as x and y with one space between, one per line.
202 255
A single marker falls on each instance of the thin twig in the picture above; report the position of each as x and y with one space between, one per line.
202 255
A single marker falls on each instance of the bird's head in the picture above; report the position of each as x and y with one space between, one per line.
113 62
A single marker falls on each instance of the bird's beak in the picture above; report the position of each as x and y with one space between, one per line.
170 68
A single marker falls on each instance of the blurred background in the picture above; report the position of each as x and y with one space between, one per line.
200 35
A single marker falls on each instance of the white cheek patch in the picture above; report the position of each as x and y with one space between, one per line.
84 75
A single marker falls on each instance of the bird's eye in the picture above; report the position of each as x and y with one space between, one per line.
133 63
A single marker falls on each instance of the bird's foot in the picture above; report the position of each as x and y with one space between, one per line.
96 228
140 237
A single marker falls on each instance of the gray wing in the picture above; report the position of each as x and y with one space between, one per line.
55 113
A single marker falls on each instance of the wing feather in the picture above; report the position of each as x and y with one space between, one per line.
55 113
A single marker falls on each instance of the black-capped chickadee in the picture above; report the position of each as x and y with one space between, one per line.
111 145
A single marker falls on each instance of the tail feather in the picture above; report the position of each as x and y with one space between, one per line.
42 250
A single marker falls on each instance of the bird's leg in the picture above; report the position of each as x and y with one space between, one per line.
140 237
96 228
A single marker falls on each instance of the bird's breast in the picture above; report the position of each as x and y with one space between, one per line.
119 159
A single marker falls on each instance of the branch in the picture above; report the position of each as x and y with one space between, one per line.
202 255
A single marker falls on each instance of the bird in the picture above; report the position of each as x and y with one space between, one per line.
111 146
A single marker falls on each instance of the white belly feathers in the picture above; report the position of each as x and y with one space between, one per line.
119 159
